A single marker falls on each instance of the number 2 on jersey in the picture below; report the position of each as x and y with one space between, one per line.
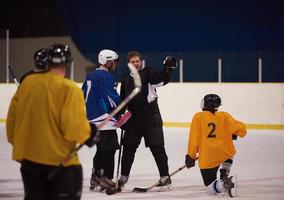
212 133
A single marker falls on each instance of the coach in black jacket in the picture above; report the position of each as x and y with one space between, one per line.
146 119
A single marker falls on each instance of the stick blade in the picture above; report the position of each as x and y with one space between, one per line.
139 190
136 76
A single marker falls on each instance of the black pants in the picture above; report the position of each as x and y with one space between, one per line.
104 160
158 152
104 157
66 185
149 126
210 175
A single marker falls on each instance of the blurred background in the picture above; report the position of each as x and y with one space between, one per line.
214 40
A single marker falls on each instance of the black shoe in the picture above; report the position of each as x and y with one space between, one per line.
106 182
164 181
165 184
100 182
103 189
122 181
94 182
111 191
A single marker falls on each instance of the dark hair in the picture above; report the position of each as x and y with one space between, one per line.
132 54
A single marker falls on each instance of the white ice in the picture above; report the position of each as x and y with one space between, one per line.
259 165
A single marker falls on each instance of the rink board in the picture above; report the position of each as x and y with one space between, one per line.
259 105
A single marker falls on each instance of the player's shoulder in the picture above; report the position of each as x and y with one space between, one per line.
98 74
224 114
62 83
32 77
26 75
198 115
69 84
92 74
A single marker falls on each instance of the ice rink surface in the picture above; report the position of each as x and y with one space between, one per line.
259 165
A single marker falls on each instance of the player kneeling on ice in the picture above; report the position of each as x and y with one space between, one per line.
210 138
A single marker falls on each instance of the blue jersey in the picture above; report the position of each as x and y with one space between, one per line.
101 97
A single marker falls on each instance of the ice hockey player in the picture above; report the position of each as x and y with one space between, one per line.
40 61
46 119
210 139
146 119
101 99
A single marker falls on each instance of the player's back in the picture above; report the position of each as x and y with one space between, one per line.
213 135
211 124
50 119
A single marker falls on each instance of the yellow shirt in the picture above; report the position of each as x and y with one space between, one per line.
46 119
211 138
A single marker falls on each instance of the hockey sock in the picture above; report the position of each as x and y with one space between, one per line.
225 169
215 187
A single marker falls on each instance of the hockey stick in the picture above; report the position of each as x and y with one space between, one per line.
120 123
143 190
123 119
135 91
119 158
113 190
13 75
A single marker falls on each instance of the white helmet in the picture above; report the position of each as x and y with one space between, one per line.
107 55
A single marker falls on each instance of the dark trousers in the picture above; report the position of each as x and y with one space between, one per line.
210 175
66 185
150 127
158 153
104 160
104 157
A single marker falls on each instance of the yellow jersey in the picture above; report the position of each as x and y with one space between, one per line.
210 138
46 119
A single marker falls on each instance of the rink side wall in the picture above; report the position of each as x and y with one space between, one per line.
259 105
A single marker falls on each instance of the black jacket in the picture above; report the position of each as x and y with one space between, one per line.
146 100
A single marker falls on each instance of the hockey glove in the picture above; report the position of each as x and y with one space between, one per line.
189 162
94 137
170 63
234 137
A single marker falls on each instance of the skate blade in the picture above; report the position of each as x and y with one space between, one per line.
98 189
93 187
235 189
164 188
233 193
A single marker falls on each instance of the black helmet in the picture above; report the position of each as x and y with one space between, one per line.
41 58
59 54
211 102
